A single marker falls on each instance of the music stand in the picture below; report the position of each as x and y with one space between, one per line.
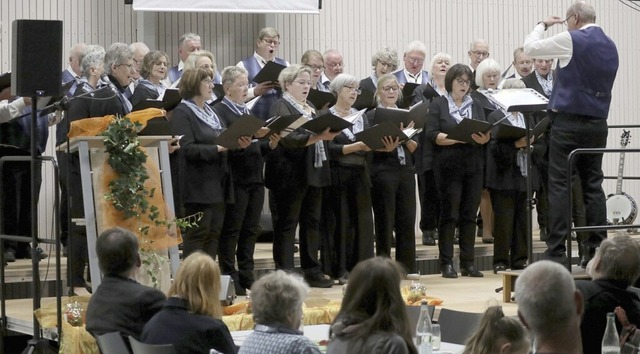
521 100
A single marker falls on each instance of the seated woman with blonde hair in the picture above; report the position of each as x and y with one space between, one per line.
498 334
191 318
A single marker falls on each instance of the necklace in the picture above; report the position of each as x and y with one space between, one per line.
342 112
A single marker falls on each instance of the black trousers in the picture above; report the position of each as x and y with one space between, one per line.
301 204
16 203
429 201
394 207
570 132
510 227
206 235
240 231
459 199
72 206
349 203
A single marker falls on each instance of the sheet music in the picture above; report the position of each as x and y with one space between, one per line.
510 100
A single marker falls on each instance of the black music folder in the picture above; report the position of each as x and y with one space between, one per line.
168 102
510 132
246 125
365 100
269 72
407 94
158 126
416 114
467 127
328 120
372 137
285 124
218 91
320 98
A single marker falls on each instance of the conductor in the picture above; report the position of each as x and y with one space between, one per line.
579 106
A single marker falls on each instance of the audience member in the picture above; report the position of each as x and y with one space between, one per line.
615 266
372 318
191 319
120 304
498 334
276 304
550 306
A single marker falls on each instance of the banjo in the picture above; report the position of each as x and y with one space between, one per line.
621 208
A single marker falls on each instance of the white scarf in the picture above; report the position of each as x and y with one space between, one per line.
464 111
206 115
308 112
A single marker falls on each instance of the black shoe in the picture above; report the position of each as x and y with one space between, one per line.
499 268
518 266
487 240
448 271
38 251
470 271
344 278
318 280
428 239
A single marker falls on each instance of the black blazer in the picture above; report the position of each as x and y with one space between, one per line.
460 157
188 332
246 165
367 84
502 170
531 81
205 177
122 305
142 93
291 164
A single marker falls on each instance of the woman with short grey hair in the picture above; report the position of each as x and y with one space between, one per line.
384 61
276 305
350 191
296 172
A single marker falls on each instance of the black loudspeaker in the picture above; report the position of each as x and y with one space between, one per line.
36 58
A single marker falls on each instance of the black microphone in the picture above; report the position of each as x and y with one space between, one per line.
107 81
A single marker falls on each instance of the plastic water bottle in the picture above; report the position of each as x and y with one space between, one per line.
610 339
423 330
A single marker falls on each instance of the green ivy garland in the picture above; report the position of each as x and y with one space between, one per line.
127 192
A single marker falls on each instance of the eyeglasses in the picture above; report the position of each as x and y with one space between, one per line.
303 82
272 42
479 53
384 63
415 61
354 89
390 89
316 67
566 20
335 65
208 82
129 66
463 81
